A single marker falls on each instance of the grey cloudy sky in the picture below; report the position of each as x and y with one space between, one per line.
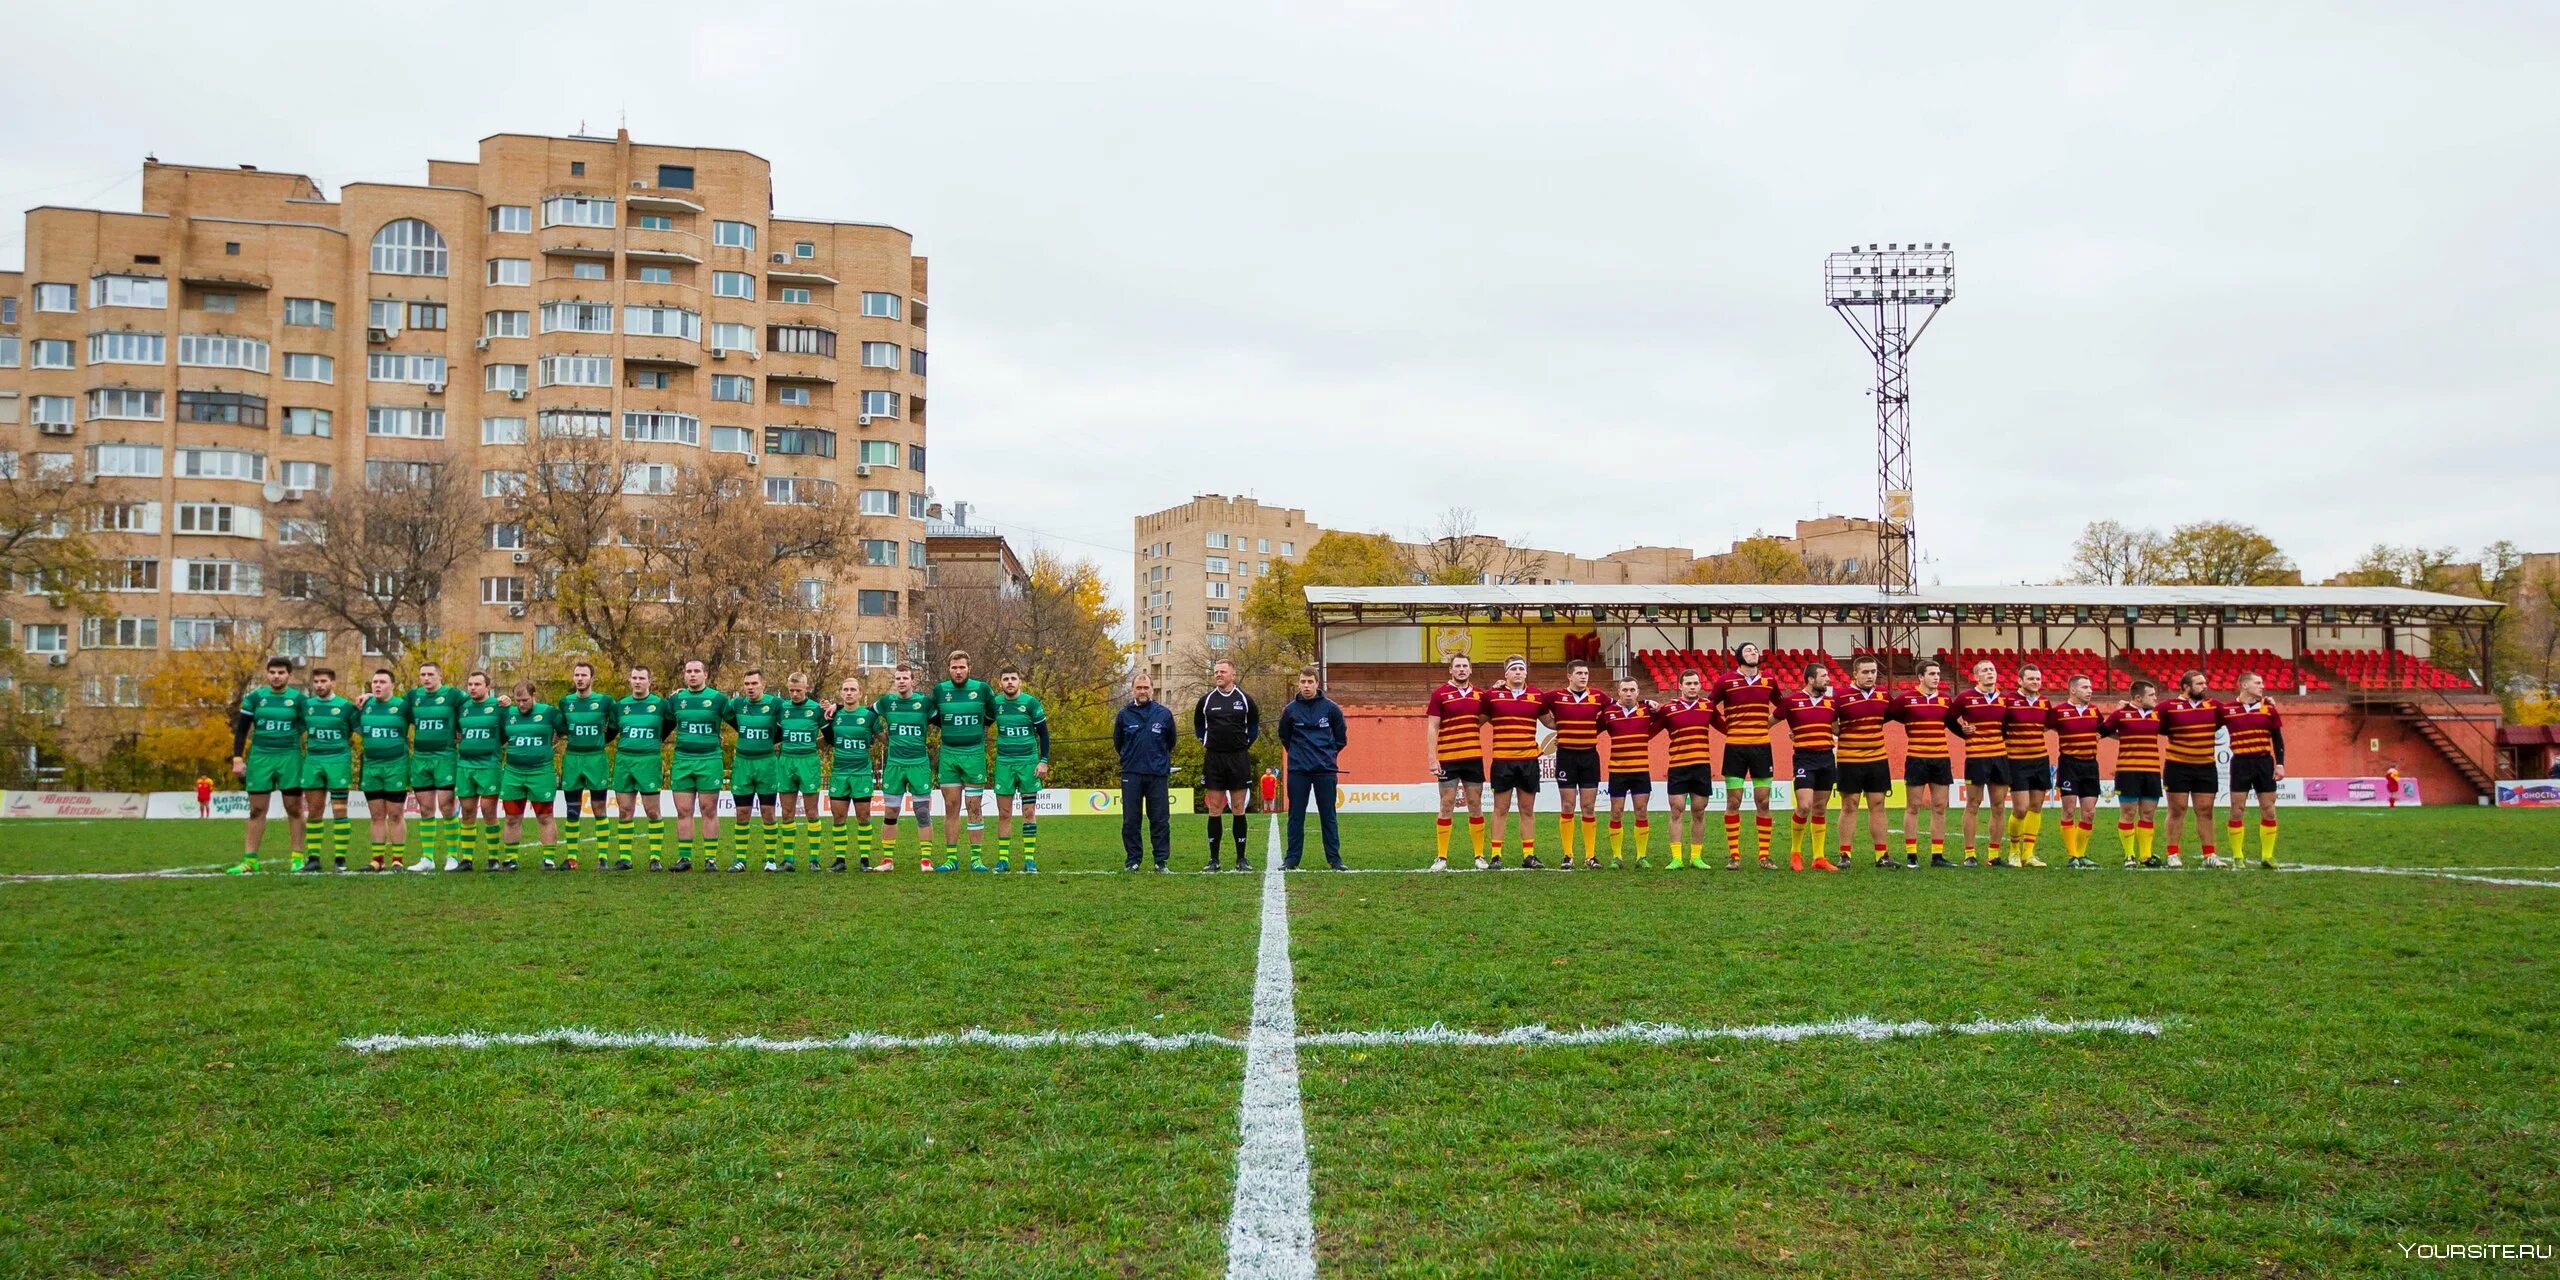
1556 264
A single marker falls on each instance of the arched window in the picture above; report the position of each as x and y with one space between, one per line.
408 247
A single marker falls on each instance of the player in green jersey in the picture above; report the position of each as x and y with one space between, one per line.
960 706
328 765
382 730
639 772
850 729
433 706
587 717
266 755
753 785
1022 764
906 766
478 727
527 776
796 768
694 714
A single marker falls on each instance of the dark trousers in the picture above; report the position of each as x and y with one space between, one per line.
1142 798
1320 787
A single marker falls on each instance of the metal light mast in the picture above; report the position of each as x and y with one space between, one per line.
1875 290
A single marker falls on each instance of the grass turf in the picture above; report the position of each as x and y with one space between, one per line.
2353 1062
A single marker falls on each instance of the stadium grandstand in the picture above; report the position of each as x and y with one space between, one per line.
2354 666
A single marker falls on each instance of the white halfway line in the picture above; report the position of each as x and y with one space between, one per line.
1271 1232
2449 873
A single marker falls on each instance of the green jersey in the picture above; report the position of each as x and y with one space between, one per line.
697 715
851 731
328 726
432 714
962 706
1019 720
904 717
531 731
383 723
800 724
641 723
480 722
275 718
757 720
589 721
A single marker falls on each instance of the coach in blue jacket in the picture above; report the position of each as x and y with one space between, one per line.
1313 733
1143 735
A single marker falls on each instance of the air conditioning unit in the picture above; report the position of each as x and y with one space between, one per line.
58 659
863 470
515 393
638 185
377 335
482 344
719 353
863 421
781 258
292 495
56 428
435 388
515 611
519 558
754 461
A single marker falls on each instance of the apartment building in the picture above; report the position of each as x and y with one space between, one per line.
245 340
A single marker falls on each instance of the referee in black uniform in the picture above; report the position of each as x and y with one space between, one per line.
1227 723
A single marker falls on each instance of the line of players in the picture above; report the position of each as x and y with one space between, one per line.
2020 746
479 763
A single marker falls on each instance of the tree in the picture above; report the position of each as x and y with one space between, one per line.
579 537
189 699
2220 553
2109 554
1060 633
1458 555
1276 634
375 558
44 535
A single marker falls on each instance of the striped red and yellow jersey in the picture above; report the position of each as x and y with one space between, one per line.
1461 712
1745 706
2023 726
1688 721
1577 717
1924 718
1810 718
1629 730
2189 726
1514 713
2255 730
2077 724
2138 741
1861 725
1983 714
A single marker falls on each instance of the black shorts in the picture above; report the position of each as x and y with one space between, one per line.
1577 768
1987 770
2031 775
2253 775
1227 771
1748 762
400 798
2141 784
1630 784
1815 770
1515 775
2190 779
1866 778
1938 772
1462 771
1691 780
2076 777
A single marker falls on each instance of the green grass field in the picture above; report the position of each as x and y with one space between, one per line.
2349 1063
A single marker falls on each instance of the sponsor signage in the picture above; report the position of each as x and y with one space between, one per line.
2530 793
71 804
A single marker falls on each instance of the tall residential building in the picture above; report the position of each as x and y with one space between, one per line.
244 335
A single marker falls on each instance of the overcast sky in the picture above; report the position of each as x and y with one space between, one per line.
1557 264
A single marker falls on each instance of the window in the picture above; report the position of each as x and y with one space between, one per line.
304 477
915 506
1260 545
577 317
586 271
404 423
501 646
796 490
1217 641
230 407
124 460
878 453
1217 615
501 484
662 428
307 422
653 222
388 367
877 653
649 477
810 593
794 293
119 633
880 552
877 604
664 322
54 466
300 532
52 353
1218 541
880 404
733 284
915 555
506 536
676 176
502 590
1217 591
511 271
577 371
8 351
504 377
312 312
135 575
57 297
306 643
653 380
218 577
795 339
502 431
125 517
798 396
385 314
215 351
735 235
220 303
657 275
577 211
127 347
45 637
915 362
408 247
1216 564
8 310
562 424
1288 548
300 366
733 440
915 457
221 464
811 441
879 355
879 502
881 305
131 404
200 633
507 324
733 387
426 315
128 291
511 217
734 337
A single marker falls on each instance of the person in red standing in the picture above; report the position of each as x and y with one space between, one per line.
2191 721
1980 712
1575 710
1629 724
2257 765
1454 721
1688 722
2391 785
1512 709
1746 704
1812 718
1865 776
204 797
1927 713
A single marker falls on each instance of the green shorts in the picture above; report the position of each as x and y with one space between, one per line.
1017 777
634 773
533 786
475 779
696 772
431 770
328 773
907 778
852 784
583 770
753 776
273 771
964 765
797 775
386 775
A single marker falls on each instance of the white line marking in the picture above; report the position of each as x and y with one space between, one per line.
2448 873
205 872
1271 1233
857 1041
1858 1028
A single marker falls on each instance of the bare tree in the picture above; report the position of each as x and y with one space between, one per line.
1456 553
582 539
375 557
720 567
2109 554
44 535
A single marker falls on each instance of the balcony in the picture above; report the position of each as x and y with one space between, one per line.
578 242
641 244
799 275
783 366
814 315
656 349
225 280
652 200
572 289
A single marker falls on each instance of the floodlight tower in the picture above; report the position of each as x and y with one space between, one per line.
1875 289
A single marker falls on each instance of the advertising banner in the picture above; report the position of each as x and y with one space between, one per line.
1093 802
2530 793
71 804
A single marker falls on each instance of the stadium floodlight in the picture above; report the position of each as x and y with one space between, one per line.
1874 290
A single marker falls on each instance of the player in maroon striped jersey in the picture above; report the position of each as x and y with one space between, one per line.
1689 724
2135 725
1986 760
1454 721
1864 773
1813 741
1515 710
2190 722
1928 717
1629 724
2029 715
1746 704
2257 764
2076 726
1574 711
